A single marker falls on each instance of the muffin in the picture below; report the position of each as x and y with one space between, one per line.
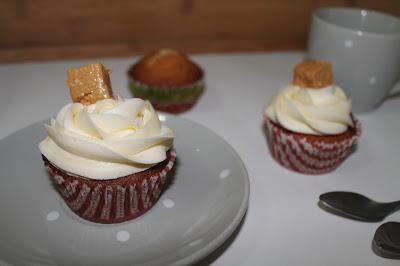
309 124
168 79
108 157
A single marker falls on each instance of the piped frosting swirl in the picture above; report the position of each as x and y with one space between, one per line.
324 111
108 139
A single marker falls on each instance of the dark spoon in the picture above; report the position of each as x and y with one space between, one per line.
356 206
386 242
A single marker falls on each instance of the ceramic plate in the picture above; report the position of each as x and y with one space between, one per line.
202 206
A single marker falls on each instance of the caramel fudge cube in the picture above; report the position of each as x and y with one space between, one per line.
89 83
313 74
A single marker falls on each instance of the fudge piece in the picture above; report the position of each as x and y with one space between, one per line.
313 74
89 83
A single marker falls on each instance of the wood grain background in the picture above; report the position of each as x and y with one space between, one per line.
60 29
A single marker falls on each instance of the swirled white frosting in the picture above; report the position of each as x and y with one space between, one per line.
325 111
107 139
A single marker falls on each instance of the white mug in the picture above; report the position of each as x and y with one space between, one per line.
364 49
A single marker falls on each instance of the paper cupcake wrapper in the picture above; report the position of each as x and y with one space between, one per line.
112 201
169 99
309 155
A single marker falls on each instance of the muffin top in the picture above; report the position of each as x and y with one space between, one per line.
166 67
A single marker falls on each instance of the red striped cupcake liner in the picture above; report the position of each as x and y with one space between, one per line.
116 200
309 154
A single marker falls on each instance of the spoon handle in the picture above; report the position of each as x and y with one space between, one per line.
392 206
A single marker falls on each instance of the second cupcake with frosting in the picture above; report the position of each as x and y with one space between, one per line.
310 126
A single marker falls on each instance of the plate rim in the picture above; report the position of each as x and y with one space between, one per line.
225 234
211 246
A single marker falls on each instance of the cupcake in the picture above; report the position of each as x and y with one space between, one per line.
309 124
108 157
168 79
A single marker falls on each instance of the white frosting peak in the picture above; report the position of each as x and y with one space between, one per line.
325 111
107 139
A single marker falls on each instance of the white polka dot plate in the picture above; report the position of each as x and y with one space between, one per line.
199 210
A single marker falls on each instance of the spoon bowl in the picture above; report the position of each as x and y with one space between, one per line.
386 241
356 206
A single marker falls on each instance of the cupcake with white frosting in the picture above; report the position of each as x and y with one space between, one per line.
109 158
310 126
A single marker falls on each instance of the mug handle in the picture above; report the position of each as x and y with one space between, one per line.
395 92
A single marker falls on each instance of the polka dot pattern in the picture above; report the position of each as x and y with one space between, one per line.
224 173
168 203
372 81
123 236
52 216
348 43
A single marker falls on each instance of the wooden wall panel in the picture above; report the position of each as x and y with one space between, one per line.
50 29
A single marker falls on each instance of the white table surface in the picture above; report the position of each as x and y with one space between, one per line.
283 225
